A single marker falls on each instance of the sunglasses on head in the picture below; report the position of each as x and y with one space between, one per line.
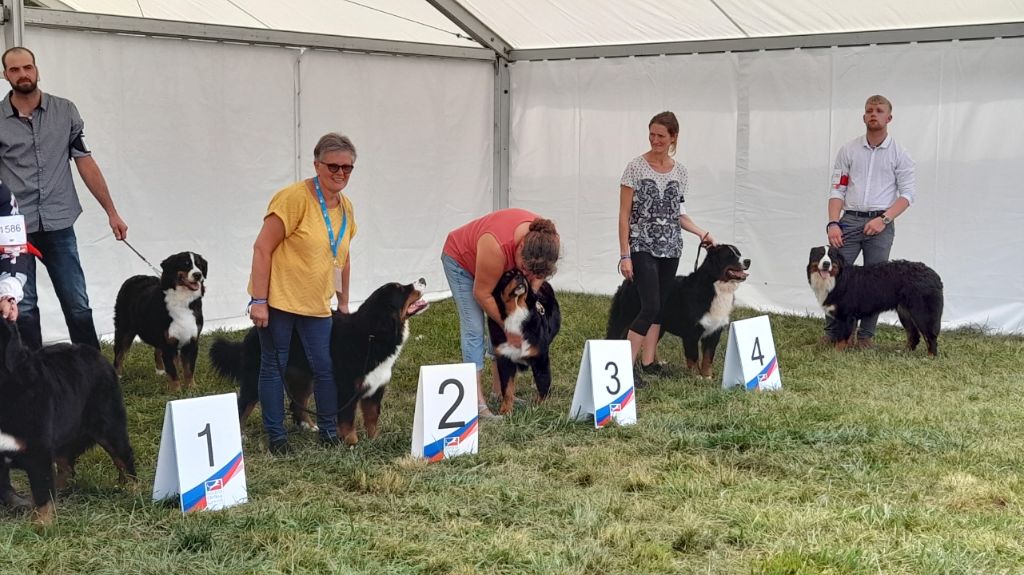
333 168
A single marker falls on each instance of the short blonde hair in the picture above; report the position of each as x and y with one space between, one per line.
876 99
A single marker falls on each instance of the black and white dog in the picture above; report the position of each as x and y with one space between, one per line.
166 312
55 404
849 293
697 309
536 317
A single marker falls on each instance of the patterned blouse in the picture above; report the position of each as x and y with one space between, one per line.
657 204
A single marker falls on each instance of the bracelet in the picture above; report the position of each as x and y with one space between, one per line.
625 257
832 223
257 301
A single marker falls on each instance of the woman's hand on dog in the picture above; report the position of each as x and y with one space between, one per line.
259 313
8 308
514 339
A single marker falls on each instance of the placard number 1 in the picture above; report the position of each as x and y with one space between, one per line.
209 441
757 353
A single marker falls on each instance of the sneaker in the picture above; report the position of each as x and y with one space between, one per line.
654 368
496 399
486 413
280 447
638 381
331 441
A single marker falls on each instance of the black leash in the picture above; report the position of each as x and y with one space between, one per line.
699 246
151 266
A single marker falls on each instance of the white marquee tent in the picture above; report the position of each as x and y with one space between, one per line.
198 110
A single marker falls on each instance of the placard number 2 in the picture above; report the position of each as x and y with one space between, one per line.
209 442
757 353
445 424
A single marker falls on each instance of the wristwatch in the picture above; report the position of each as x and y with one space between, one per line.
886 219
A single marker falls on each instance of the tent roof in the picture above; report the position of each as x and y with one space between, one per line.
530 24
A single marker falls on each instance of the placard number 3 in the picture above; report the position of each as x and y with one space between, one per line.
614 376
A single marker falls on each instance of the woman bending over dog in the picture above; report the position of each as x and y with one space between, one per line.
474 258
651 213
300 260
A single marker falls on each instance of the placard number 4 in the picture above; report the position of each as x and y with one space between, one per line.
757 353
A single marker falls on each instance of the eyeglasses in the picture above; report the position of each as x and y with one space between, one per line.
333 168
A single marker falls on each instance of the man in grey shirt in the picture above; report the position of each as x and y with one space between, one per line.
39 136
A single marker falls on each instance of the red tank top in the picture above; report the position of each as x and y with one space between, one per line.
502 224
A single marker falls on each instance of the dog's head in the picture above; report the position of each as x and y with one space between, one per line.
725 264
185 271
407 300
12 352
511 291
824 263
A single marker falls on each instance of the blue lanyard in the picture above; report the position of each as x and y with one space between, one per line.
335 242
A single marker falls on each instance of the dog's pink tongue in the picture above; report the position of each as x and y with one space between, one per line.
824 274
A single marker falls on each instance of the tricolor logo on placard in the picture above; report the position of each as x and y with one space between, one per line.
198 498
764 375
606 413
437 450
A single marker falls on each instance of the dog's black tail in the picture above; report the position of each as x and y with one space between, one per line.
228 358
625 307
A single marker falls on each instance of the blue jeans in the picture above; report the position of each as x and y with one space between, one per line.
275 341
876 250
471 315
60 256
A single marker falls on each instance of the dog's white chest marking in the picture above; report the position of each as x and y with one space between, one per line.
514 324
183 326
822 287
9 443
717 316
381 375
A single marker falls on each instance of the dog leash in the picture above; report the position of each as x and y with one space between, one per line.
699 246
151 266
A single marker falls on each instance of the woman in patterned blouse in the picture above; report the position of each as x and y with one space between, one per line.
651 214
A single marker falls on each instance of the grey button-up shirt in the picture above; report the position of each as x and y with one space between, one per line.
35 161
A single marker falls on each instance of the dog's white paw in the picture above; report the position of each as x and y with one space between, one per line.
307 427
161 371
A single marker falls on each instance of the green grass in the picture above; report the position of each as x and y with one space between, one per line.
866 462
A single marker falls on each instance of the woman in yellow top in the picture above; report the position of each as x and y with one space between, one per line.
299 261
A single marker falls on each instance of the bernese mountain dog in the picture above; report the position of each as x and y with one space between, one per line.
364 348
537 318
55 403
698 306
166 312
849 293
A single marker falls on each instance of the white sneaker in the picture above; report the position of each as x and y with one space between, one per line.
486 413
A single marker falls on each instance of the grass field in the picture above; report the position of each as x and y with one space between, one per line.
866 462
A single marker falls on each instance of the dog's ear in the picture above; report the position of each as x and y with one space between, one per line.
168 277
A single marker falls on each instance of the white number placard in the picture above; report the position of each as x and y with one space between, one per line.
12 231
604 386
446 420
200 457
750 359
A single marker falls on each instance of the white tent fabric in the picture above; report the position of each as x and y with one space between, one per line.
405 20
759 133
193 153
528 24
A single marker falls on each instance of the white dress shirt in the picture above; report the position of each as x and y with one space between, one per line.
869 179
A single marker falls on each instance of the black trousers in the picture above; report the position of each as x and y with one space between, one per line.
653 277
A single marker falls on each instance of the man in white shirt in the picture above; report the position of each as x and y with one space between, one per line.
872 184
